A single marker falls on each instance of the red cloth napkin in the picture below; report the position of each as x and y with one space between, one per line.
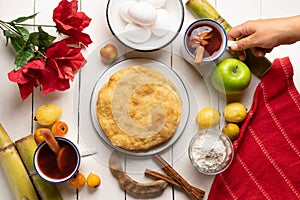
267 152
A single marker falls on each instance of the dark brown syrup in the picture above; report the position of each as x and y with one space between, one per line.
214 42
46 160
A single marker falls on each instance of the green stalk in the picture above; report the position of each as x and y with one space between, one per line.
14 169
8 27
203 9
26 147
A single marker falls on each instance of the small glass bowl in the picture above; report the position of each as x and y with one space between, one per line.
211 151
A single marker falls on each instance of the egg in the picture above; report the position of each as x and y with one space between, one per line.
155 3
124 10
142 13
162 23
136 33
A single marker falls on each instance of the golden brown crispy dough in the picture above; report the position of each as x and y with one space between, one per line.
138 108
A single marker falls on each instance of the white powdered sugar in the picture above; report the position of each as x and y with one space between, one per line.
210 153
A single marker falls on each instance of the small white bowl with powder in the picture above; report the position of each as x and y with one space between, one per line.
211 151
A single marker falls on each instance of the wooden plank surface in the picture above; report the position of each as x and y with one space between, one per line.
17 115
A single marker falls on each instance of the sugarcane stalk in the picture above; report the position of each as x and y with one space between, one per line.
26 147
14 169
203 9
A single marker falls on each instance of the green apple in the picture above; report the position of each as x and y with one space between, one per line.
231 76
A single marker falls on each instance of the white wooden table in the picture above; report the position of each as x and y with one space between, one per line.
17 116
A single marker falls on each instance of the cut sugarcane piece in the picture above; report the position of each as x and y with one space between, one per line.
14 169
203 9
51 141
62 153
201 40
26 147
199 54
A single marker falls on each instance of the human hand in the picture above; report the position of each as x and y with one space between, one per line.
261 36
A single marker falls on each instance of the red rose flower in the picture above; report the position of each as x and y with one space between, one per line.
70 22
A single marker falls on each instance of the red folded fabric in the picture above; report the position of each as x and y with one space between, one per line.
267 152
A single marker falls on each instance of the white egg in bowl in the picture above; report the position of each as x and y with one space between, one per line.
145 25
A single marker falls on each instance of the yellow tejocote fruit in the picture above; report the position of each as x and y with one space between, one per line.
235 112
78 181
232 130
47 114
208 117
93 180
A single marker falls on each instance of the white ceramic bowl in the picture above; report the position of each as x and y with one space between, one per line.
211 151
117 25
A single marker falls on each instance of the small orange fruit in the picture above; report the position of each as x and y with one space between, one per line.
93 180
59 128
38 136
78 180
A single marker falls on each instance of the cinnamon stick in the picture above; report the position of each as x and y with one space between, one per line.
170 171
160 176
157 175
199 55
201 39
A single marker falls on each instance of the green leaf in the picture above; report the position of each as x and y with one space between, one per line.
41 38
23 31
16 41
7 34
22 57
45 38
22 19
